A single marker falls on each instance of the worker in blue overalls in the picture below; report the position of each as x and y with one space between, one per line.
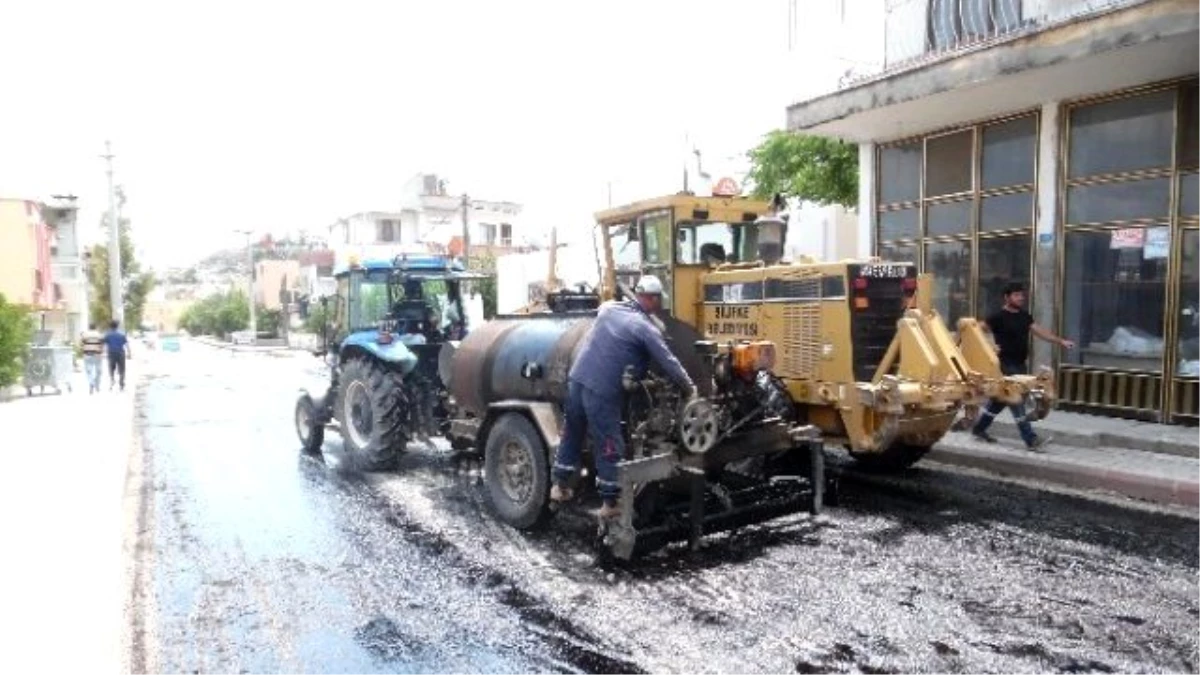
623 335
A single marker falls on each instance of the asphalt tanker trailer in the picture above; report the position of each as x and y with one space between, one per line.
731 457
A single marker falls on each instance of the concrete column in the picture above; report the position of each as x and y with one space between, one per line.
866 200
1046 230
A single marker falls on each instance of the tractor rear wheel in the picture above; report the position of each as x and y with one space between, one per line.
897 457
371 411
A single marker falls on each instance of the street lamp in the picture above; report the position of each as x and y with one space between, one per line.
250 258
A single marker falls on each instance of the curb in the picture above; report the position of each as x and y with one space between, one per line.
1016 463
1091 439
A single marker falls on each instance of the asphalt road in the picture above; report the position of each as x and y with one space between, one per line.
252 557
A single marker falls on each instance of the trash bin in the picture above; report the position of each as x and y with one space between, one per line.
48 365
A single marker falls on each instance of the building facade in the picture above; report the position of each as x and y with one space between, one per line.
1052 142
276 283
68 258
26 269
427 214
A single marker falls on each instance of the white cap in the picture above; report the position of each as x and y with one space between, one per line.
648 285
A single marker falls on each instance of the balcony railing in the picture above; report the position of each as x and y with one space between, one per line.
917 32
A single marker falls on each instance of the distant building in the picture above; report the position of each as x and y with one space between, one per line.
26 271
67 258
427 215
316 274
276 282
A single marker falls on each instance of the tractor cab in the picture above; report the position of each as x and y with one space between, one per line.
411 299
682 237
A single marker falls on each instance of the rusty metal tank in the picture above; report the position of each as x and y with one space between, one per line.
523 358
529 357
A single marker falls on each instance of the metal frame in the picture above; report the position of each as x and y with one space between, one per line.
974 235
1120 378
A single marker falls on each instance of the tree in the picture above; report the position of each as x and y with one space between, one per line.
16 330
486 264
318 316
136 284
809 168
219 314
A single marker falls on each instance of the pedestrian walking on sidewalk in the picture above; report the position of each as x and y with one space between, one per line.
1011 326
91 342
118 353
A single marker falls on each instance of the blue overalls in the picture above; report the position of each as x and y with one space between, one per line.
621 336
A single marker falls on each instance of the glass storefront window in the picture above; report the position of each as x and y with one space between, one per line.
899 225
948 219
1006 212
898 252
1118 202
1009 153
900 173
1127 134
1189 127
950 264
1188 333
1189 195
1114 297
948 161
1002 260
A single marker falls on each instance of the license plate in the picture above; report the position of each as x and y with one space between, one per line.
883 271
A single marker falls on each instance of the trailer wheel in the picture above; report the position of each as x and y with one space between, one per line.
517 472
897 457
308 427
371 410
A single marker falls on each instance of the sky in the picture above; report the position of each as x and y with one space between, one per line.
279 117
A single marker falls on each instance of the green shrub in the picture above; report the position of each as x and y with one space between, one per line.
16 330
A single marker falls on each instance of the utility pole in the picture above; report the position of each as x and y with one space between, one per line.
466 235
250 259
115 295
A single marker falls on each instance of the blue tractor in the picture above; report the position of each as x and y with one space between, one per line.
390 319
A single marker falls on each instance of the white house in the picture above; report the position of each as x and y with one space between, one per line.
426 214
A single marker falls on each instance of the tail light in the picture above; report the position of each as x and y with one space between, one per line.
910 284
861 302
751 357
860 284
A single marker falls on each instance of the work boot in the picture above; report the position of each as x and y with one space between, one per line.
561 493
1039 443
609 511
984 436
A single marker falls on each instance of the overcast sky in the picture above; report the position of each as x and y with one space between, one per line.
283 116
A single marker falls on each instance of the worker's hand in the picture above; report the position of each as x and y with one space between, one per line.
1067 344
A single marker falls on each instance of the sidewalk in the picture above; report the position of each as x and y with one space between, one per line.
64 586
1151 462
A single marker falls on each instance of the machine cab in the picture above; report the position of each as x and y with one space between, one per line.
416 299
681 237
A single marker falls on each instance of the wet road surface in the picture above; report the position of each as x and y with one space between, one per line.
255 558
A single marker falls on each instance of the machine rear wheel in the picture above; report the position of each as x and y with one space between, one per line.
308 428
517 472
371 410
897 457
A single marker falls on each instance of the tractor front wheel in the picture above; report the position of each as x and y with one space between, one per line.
309 428
371 410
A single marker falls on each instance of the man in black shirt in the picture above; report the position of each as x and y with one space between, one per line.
1011 326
